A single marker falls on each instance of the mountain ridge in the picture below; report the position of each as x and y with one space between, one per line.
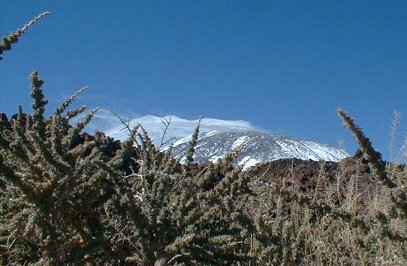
219 137
257 147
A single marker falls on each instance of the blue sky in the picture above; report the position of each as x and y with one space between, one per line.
285 66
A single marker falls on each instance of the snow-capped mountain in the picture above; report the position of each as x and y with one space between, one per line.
219 137
256 147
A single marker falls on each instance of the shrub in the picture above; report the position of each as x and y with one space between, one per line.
72 198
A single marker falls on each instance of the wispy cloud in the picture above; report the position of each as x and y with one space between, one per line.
109 123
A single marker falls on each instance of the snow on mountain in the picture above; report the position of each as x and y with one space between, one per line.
257 147
219 137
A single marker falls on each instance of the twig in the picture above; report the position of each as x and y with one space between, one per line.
166 123
125 124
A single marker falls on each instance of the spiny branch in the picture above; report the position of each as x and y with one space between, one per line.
374 157
13 37
192 145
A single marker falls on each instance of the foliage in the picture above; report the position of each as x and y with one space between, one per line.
72 198
343 220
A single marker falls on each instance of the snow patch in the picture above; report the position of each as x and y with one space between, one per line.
239 142
248 162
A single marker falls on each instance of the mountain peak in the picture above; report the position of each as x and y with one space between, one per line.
219 137
257 147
